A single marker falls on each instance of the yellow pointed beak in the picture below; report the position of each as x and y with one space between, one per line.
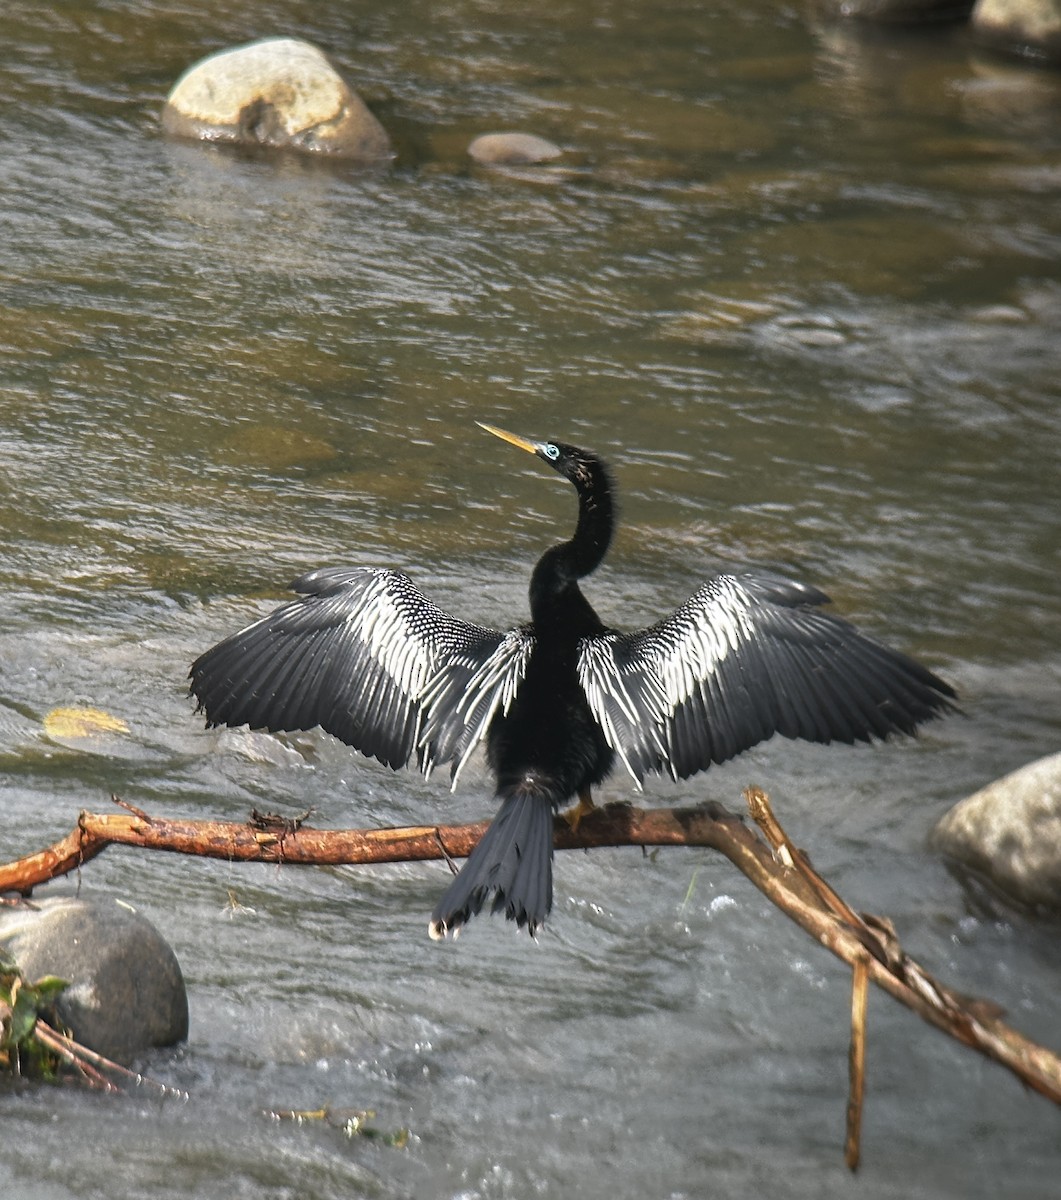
515 439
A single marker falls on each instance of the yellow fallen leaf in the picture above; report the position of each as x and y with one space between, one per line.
81 723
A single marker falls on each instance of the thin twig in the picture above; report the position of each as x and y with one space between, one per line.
71 1053
856 1063
82 1055
791 856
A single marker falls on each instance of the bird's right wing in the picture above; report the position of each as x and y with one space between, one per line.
463 695
744 658
366 656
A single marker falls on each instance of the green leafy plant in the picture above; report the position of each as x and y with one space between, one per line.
23 1007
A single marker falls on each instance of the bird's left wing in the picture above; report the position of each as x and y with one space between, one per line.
744 658
366 656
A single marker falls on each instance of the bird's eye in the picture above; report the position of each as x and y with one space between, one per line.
551 452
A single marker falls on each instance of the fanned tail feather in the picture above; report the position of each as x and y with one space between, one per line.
513 861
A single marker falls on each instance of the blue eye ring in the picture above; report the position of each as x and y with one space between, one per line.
551 452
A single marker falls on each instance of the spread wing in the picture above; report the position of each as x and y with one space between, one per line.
366 656
744 658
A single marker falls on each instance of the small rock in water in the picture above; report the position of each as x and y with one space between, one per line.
512 149
126 992
1020 26
277 92
1010 833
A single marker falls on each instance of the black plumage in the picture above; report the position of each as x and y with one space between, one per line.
366 656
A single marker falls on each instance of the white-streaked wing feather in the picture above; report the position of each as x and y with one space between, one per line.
464 695
366 656
746 657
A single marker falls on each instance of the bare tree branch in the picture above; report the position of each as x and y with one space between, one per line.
778 869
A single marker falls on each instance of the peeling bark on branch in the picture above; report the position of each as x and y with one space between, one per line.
778 869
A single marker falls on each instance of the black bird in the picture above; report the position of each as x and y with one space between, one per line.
366 656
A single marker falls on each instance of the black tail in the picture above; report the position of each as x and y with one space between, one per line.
514 859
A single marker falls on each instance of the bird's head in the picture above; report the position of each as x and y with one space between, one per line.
581 467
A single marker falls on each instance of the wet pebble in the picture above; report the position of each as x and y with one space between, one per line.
512 149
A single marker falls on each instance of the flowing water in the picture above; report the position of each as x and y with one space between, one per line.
799 281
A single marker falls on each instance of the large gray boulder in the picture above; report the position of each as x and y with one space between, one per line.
277 92
126 992
1010 833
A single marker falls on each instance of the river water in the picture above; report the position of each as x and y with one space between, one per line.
799 281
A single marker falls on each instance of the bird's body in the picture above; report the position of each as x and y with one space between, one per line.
558 701
550 729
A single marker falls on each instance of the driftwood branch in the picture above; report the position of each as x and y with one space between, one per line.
777 868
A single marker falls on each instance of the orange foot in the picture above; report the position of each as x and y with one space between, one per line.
573 816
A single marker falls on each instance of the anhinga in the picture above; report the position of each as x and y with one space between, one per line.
366 656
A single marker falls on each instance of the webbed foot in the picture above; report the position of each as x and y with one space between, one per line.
573 816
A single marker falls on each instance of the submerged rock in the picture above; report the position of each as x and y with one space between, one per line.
278 92
1010 833
126 993
512 149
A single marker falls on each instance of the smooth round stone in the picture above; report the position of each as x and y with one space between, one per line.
512 149
279 92
126 992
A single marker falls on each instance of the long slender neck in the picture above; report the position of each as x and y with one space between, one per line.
556 602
